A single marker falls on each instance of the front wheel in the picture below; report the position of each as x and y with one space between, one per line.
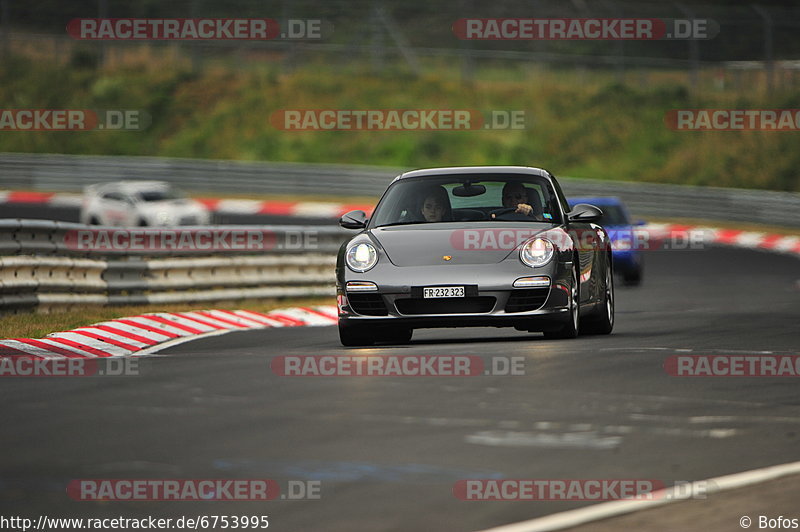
354 336
603 323
570 329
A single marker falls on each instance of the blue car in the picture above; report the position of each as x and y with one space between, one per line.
617 222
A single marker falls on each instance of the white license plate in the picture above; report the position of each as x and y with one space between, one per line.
443 291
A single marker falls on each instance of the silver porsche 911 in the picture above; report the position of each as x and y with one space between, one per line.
474 246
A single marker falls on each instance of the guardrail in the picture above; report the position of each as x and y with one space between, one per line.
72 172
46 265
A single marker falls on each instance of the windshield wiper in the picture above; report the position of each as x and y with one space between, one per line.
531 220
400 223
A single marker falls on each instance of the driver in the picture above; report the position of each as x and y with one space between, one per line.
515 195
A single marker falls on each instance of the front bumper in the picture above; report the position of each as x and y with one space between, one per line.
490 299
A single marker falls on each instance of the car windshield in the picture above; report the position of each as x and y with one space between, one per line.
161 194
468 198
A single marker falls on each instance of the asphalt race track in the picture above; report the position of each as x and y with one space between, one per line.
388 450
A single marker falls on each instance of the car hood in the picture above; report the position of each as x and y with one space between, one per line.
473 243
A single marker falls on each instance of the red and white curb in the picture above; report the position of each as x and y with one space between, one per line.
148 333
727 237
305 209
44 198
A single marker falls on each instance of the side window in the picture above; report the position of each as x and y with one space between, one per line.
113 196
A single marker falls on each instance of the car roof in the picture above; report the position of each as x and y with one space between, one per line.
435 172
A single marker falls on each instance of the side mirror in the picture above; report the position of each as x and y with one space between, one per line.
353 220
583 212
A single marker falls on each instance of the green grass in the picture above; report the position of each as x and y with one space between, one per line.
579 125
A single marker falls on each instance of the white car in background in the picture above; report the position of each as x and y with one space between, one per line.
140 203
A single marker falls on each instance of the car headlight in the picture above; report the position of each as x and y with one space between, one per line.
536 252
361 257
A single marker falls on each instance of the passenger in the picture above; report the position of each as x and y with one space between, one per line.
435 205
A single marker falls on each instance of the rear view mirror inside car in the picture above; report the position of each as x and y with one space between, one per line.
468 190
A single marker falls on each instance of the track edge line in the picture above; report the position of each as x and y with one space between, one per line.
597 512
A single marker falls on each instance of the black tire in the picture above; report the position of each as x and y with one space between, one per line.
355 336
398 335
94 221
142 223
571 328
603 321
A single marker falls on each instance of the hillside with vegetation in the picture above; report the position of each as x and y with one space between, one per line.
592 127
